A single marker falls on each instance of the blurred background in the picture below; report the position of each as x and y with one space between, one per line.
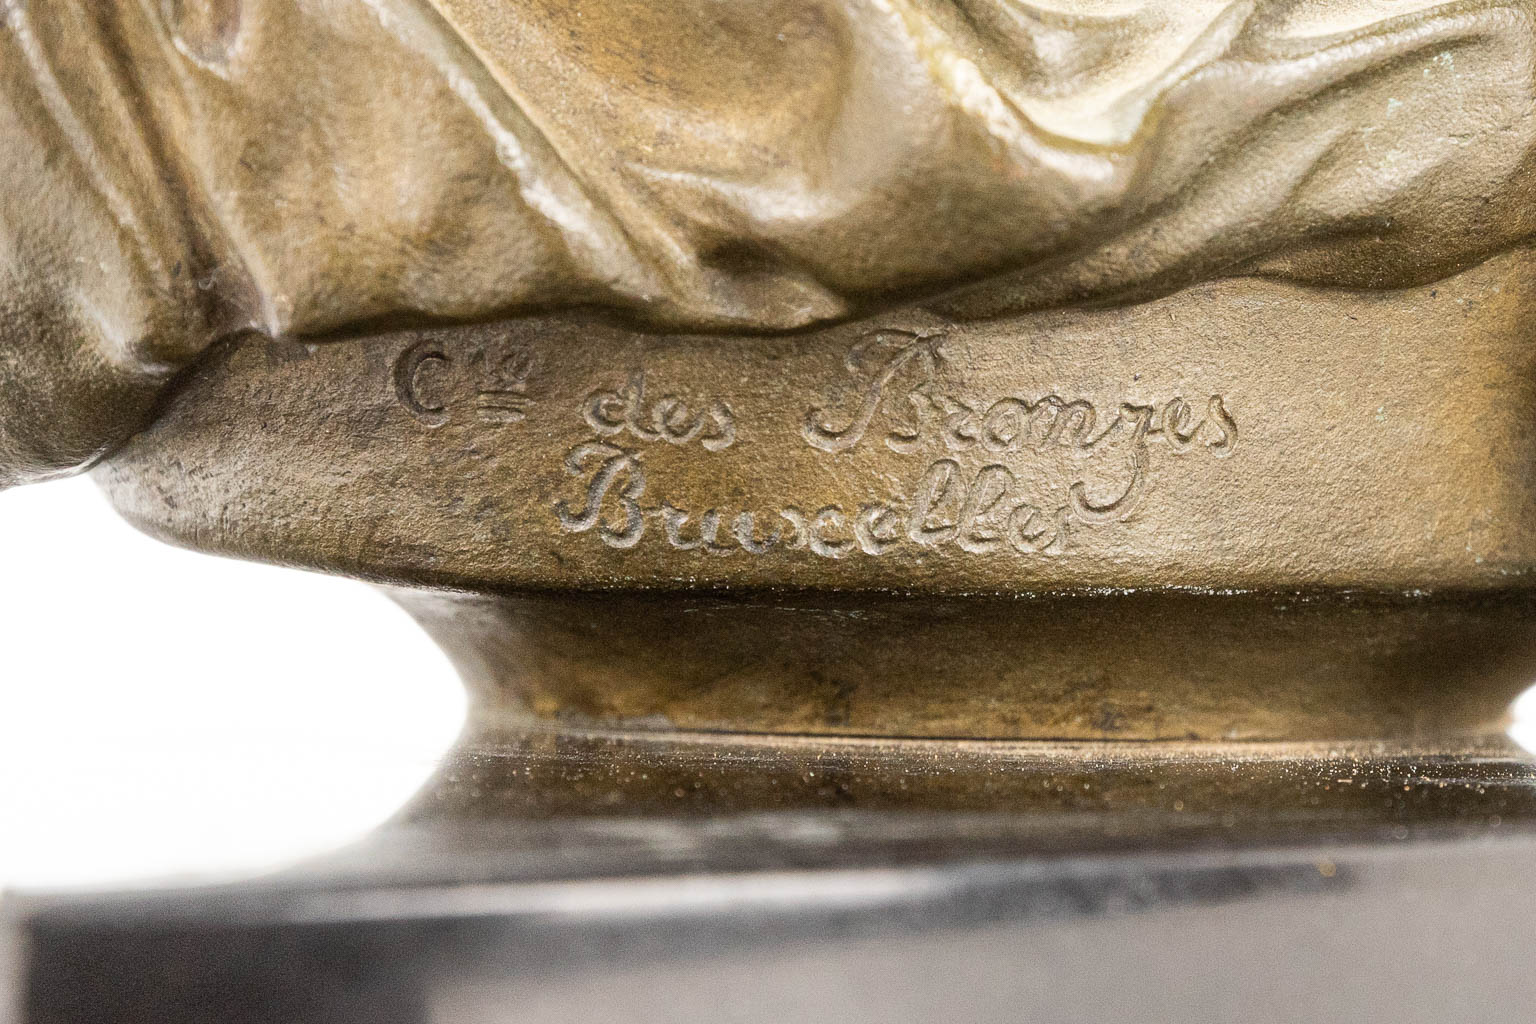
164 713
173 716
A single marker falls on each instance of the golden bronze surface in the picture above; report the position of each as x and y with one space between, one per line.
184 170
1236 436
915 368
1116 523
1049 484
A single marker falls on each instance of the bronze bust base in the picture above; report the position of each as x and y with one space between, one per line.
558 875
1246 511
1202 686
965 502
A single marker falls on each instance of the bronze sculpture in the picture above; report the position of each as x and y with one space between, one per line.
924 371
1069 260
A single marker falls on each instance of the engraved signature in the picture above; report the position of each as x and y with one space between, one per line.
1011 425
430 383
980 513
620 473
1008 424
667 418
901 349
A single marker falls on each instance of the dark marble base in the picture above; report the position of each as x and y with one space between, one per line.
1402 890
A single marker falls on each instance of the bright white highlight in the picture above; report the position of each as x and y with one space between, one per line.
169 714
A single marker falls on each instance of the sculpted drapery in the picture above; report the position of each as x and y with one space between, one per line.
177 171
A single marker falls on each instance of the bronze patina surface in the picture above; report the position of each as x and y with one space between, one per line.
1248 510
931 368
1239 435
900 479
185 170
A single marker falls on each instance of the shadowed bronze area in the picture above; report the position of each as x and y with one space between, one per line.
1114 666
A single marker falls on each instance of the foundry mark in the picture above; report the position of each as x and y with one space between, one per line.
489 382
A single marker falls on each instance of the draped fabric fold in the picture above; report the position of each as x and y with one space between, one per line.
178 170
